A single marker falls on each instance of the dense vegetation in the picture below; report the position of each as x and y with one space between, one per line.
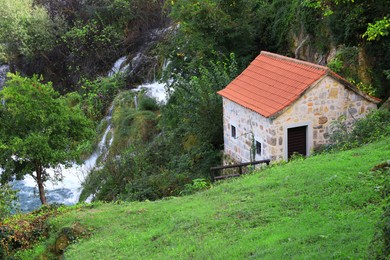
49 134
165 150
160 148
326 206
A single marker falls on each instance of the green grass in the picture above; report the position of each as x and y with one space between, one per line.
324 207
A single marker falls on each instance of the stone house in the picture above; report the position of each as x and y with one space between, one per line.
280 105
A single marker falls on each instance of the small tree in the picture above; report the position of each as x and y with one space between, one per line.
8 201
38 130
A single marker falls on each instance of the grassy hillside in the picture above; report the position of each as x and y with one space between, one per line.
324 207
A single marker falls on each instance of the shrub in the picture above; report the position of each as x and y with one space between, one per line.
98 95
22 231
195 186
380 245
366 130
8 201
148 103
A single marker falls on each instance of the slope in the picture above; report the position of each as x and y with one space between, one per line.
326 206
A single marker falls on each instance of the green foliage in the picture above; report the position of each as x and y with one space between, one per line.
26 29
362 25
378 29
194 110
24 230
380 245
148 103
98 95
347 63
196 185
8 201
87 43
134 129
38 130
336 64
366 130
209 30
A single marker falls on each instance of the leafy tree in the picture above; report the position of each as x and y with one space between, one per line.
26 29
8 200
194 111
208 30
378 29
38 130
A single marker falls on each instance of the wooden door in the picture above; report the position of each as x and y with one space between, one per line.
297 140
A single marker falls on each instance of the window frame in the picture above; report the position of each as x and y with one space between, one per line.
233 131
259 145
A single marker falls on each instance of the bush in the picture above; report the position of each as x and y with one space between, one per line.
8 201
380 245
98 95
148 103
366 130
22 231
195 186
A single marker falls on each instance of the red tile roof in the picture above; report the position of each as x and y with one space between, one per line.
273 82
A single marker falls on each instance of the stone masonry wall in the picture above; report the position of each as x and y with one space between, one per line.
248 124
318 108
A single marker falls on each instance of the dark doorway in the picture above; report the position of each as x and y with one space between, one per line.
297 140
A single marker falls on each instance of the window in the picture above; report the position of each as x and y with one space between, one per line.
258 148
233 131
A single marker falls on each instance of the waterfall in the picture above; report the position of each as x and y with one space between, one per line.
68 190
3 74
155 90
118 67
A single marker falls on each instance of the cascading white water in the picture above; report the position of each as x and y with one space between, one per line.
118 67
68 190
155 90
3 73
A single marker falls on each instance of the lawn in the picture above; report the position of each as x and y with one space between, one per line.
323 207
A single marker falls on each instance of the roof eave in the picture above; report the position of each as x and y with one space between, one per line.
352 87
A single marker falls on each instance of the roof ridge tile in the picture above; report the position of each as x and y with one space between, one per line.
272 82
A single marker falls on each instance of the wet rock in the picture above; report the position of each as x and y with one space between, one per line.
67 236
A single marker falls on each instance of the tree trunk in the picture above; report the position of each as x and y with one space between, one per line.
40 181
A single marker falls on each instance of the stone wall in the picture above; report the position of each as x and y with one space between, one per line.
321 105
248 125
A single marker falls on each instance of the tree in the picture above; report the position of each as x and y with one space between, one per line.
38 130
8 199
26 29
378 29
209 30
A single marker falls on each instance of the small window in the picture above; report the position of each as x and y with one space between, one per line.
258 148
233 131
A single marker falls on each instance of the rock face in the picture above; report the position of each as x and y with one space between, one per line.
143 65
67 236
